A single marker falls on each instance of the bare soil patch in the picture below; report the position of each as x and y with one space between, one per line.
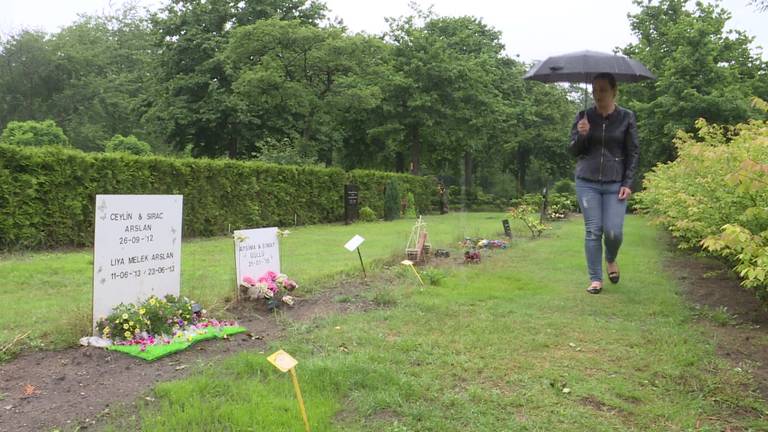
710 285
76 387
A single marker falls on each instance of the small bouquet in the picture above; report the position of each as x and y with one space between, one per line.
274 288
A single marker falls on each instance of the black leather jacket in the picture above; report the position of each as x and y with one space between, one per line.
609 152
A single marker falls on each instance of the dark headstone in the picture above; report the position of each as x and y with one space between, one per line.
351 201
507 229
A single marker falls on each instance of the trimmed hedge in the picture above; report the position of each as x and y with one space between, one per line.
47 194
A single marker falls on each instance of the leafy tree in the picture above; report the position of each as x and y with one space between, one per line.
703 72
440 98
34 134
297 81
28 77
194 102
90 77
129 144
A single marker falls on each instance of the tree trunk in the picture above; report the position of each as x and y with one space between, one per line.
468 171
415 150
399 162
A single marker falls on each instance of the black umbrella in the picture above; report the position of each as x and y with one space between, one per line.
582 66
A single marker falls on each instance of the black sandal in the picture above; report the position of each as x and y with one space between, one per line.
594 289
613 277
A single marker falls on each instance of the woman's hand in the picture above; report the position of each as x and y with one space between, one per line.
583 126
624 193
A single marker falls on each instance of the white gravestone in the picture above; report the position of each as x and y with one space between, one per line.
256 252
136 249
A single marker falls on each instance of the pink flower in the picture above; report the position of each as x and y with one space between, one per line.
271 275
264 279
249 280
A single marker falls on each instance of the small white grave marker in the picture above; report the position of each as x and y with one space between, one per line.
354 243
256 252
136 249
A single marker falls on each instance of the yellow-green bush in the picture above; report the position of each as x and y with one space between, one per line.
47 194
715 195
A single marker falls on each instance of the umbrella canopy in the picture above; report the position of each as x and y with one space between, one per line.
582 66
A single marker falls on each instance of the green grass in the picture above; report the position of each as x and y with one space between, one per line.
512 344
50 293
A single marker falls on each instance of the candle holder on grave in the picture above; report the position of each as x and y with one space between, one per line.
418 246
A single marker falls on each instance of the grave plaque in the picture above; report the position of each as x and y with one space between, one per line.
507 229
350 203
256 252
136 249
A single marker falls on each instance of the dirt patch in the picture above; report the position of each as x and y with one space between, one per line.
76 387
598 405
731 315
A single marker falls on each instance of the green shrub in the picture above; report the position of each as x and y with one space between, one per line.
33 134
392 200
367 215
410 209
433 276
565 186
714 194
47 194
129 144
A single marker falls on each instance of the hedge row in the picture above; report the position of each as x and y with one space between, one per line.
47 194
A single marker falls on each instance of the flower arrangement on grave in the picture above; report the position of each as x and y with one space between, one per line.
156 321
472 243
274 288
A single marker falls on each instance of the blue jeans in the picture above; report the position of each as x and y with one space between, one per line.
603 220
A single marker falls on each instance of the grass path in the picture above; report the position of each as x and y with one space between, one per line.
513 344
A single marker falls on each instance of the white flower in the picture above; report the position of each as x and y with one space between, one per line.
288 300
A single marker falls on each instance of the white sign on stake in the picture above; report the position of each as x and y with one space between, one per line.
256 252
354 243
136 249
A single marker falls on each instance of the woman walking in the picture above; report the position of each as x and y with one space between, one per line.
604 141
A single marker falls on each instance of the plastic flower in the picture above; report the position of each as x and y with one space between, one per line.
290 285
268 293
247 280
288 300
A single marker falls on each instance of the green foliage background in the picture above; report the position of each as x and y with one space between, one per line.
47 195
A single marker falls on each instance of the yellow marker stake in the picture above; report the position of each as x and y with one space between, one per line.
296 387
283 361
410 264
